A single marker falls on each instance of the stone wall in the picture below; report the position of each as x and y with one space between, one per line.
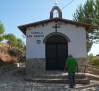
35 66
82 61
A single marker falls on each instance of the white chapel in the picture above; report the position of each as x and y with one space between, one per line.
48 43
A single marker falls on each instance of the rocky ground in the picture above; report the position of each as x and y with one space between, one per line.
14 81
9 54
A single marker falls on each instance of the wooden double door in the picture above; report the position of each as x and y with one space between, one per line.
56 53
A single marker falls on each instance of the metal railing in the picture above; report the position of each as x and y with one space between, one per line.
88 66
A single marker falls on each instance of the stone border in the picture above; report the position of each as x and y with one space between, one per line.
37 66
10 67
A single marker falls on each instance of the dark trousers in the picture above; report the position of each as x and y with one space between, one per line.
71 76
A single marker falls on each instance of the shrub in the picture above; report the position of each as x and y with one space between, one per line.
13 60
93 60
96 61
21 59
1 38
12 53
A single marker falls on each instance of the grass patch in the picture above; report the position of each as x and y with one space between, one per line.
93 70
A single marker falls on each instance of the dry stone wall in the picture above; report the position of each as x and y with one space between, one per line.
82 61
10 67
37 66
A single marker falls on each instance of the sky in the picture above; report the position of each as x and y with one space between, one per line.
23 12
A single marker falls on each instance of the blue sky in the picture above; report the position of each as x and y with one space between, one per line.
23 12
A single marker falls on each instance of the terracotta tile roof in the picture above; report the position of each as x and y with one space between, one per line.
23 28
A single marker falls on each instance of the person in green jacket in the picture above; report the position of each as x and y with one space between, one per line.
71 65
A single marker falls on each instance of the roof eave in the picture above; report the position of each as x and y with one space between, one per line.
23 30
24 27
91 27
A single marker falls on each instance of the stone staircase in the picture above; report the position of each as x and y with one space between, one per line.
57 77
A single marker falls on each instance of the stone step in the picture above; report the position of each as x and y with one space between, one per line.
80 76
58 81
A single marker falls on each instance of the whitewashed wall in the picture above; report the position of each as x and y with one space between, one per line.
77 35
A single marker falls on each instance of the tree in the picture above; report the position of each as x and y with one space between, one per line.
23 36
2 30
23 43
91 54
1 38
11 39
89 13
24 48
19 43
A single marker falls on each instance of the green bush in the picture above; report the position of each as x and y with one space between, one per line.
1 38
12 53
90 58
93 60
21 59
96 62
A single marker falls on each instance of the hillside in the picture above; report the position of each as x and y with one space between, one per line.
9 55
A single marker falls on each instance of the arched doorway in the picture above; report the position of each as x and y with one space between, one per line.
56 52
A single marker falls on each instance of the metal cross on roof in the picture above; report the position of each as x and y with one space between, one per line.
56 27
56 2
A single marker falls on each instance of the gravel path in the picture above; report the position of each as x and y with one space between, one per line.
14 81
